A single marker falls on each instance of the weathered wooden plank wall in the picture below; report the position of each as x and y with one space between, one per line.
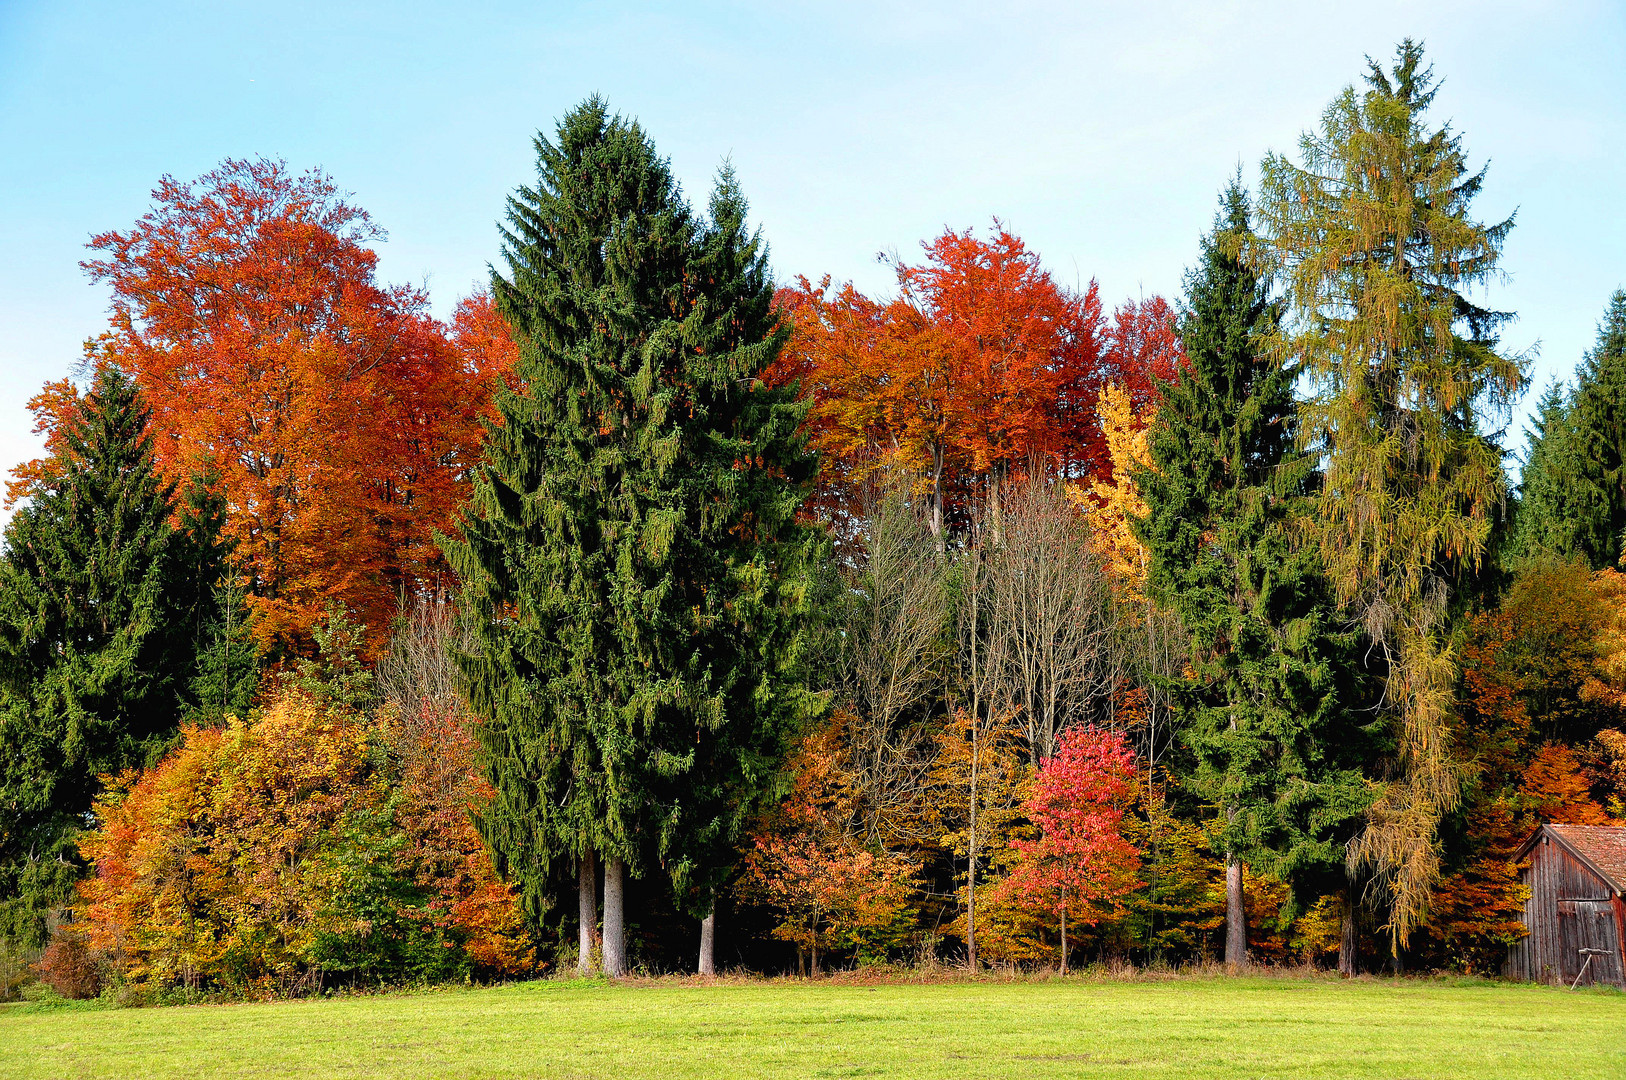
1570 908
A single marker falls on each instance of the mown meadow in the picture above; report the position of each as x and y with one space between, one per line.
1173 1027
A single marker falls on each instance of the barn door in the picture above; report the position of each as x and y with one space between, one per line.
1588 924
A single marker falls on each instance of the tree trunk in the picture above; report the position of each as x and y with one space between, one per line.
587 905
615 934
1347 964
1236 916
936 520
1064 939
971 855
708 942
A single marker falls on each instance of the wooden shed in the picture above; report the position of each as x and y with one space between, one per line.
1576 913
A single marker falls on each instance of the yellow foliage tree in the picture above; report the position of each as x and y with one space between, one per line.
1116 498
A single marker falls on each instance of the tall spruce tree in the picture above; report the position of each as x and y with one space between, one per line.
100 595
1266 707
1574 483
1373 236
631 557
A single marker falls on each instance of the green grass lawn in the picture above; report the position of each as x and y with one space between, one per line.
1197 1026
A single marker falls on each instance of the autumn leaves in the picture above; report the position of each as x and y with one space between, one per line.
338 418
982 367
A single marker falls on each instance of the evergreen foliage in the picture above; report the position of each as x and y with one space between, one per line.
632 557
1574 483
100 600
1266 706
1376 245
226 671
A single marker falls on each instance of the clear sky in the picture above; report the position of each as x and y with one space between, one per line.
1101 132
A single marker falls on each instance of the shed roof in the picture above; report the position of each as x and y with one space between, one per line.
1601 847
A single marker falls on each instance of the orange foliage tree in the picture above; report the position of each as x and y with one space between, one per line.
337 415
982 365
1476 908
807 863
1142 349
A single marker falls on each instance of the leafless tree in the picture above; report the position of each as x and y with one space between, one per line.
1048 630
896 642
419 667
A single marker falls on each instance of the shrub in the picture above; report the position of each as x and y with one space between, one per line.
269 856
70 967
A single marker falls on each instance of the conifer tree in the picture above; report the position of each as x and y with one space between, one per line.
1264 707
99 596
1374 240
217 627
1574 482
631 556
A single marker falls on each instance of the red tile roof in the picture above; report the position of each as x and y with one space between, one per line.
1604 846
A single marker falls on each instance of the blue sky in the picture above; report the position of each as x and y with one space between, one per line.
1100 132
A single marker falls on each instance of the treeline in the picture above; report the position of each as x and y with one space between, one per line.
648 611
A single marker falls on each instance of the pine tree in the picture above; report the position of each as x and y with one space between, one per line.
1574 482
1376 246
631 556
1265 708
97 601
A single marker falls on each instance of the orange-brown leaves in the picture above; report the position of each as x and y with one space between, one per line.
340 418
240 859
53 407
1559 790
981 366
828 887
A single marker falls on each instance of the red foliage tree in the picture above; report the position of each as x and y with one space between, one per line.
1081 857
340 420
1143 349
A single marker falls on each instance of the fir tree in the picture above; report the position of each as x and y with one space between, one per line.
1375 242
97 602
227 671
631 556
1550 478
1265 708
216 629
1574 483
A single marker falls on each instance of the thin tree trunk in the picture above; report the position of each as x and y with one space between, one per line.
1064 939
708 942
1347 963
615 934
587 905
971 854
1236 916
936 520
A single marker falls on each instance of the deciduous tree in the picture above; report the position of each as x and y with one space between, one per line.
339 420
981 367
1372 235
1077 803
